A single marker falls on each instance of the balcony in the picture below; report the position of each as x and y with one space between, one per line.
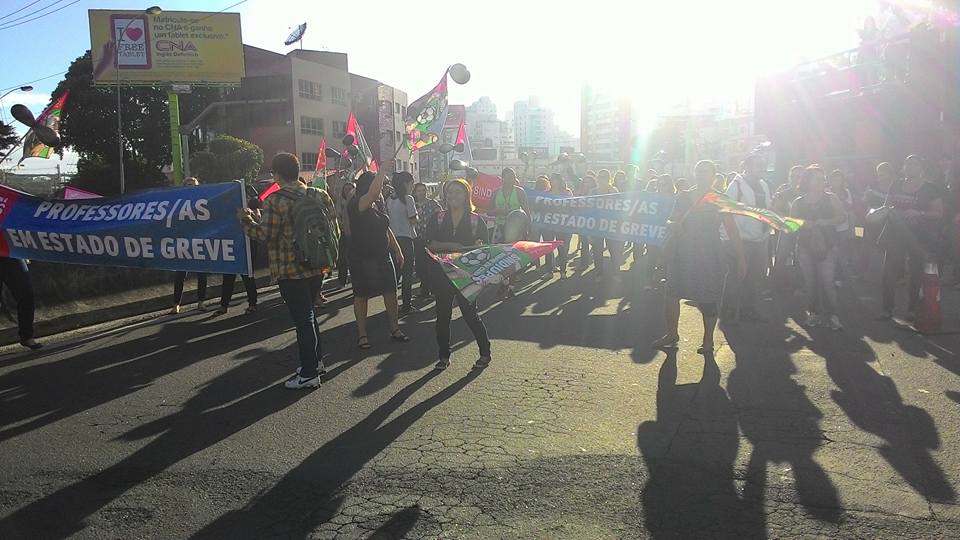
914 59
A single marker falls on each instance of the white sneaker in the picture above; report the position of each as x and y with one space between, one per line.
835 323
297 382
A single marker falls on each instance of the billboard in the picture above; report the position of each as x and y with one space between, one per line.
189 47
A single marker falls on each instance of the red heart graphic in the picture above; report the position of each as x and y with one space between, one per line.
134 33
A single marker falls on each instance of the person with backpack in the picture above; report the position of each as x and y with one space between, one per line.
403 221
455 230
302 245
371 264
818 245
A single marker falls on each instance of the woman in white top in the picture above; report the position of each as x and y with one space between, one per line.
403 221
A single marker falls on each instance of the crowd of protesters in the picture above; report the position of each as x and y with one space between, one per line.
906 215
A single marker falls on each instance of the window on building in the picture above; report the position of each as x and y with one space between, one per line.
308 161
310 90
396 107
339 128
311 126
397 135
399 166
338 95
403 110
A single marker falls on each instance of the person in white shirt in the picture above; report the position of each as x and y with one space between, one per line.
740 295
402 209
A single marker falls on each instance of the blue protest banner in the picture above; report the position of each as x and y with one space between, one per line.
631 217
194 229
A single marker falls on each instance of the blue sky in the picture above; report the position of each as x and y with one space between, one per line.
655 50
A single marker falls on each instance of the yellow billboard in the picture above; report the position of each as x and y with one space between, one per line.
188 47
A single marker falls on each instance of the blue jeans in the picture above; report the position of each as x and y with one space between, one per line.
298 294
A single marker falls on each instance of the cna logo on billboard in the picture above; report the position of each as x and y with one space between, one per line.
132 40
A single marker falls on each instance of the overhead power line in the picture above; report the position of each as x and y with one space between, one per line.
65 6
34 12
19 10
31 82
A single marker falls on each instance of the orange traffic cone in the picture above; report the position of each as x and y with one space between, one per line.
929 318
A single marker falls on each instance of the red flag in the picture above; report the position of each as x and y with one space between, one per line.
354 129
321 156
461 135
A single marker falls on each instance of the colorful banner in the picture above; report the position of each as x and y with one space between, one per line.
191 47
473 270
194 229
631 217
484 187
769 217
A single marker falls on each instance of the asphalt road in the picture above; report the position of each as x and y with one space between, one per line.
178 427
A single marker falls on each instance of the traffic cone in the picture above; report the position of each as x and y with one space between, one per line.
929 318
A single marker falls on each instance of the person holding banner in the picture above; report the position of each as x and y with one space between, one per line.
455 230
695 259
15 274
298 283
558 186
371 245
588 187
181 277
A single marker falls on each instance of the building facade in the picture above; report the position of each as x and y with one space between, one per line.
380 110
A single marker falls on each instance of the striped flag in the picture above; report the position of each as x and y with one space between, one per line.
771 218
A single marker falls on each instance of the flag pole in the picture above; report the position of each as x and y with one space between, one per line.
14 147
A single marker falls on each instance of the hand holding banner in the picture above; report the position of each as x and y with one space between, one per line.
473 270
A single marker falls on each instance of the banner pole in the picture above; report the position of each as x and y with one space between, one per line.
175 145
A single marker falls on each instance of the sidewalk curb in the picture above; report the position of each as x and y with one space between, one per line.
74 321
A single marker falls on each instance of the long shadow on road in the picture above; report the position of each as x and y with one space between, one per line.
690 451
226 405
47 391
307 495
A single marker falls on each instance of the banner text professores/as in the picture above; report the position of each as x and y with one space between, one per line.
191 229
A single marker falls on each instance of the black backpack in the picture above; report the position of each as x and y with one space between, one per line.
316 236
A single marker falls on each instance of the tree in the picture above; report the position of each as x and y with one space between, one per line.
89 126
8 137
227 158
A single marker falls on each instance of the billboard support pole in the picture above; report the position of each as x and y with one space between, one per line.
175 145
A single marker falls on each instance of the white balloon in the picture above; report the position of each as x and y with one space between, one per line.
459 73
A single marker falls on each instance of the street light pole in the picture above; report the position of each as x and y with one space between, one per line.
27 88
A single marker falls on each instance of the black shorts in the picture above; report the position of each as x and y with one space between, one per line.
373 277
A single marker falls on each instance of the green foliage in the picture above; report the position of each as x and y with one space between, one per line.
227 158
89 126
8 137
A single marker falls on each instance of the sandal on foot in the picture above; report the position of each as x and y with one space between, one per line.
482 362
363 343
443 364
220 311
398 336
704 350
252 308
666 342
